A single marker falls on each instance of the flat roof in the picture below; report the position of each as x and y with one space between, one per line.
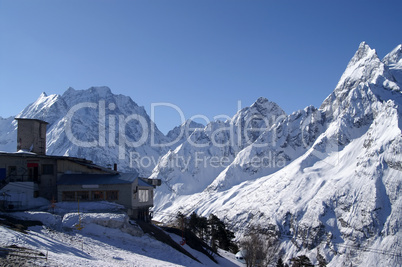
141 182
81 161
28 119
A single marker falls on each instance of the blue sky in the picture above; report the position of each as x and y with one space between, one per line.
202 56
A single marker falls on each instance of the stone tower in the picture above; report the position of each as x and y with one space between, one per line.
31 135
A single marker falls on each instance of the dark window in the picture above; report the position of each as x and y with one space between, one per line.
83 195
68 196
2 174
112 195
33 174
97 195
47 169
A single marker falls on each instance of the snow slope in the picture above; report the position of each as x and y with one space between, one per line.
339 193
194 165
103 241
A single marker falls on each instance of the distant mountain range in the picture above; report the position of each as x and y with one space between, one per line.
328 180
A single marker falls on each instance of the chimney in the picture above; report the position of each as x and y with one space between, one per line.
31 135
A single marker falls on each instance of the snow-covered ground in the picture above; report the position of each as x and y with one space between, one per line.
106 239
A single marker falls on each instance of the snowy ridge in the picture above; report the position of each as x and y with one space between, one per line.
193 165
273 149
340 188
179 134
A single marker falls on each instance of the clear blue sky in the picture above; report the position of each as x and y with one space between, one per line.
201 55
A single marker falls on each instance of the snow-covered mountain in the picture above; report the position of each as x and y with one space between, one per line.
179 134
328 180
335 190
8 134
194 165
94 124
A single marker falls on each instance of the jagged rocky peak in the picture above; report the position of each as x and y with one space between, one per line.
261 101
180 133
363 69
394 57
394 63
266 107
364 66
102 91
93 92
46 107
364 51
261 108
188 125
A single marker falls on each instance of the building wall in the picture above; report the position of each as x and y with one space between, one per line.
138 196
128 196
41 170
44 171
141 207
97 193
20 168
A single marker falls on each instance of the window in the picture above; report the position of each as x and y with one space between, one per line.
97 195
33 172
47 169
143 195
3 174
68 196
83 195
112 195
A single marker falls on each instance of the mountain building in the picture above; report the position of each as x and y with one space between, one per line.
30 173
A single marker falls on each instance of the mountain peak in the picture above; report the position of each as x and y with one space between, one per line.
363 69
364 51
262 100
100 90
363 66
185 130
265 107
394 56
